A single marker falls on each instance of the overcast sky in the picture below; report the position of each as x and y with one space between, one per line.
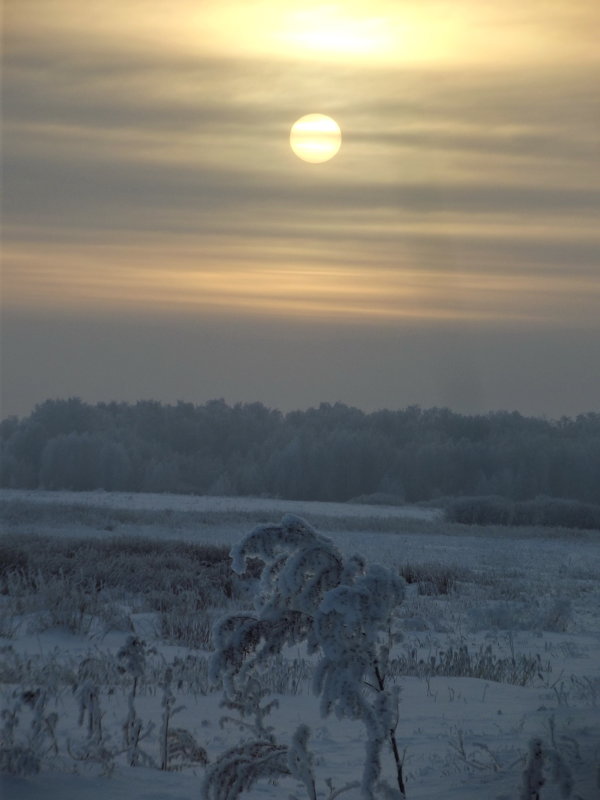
161 240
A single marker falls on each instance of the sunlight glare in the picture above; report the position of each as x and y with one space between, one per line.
326 29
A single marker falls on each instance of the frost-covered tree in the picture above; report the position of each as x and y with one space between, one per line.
342 609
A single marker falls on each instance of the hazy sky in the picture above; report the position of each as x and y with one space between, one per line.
161 240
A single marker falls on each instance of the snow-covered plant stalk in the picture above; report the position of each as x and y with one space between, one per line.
239 768
176 744
309 593
133 656
351 623
132 733
252 711
168 699
299 761
533 774
183 750
24 756
97 748
89 705
43 725
10 718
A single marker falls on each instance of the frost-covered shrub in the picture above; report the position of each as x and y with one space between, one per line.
239 768
49 670
434 578
68 604
183 750
490 510
178 748
91 585
133 661
189 673
9 625
555 615
184 623
114 617
55 600
558 512
586 690
132 564
342 610
483 663
18 760
286 676
544 511
22 750
379 499
549 615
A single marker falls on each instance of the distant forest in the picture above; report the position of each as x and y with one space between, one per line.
333 452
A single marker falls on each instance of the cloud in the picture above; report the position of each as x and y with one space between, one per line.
148 172
378 32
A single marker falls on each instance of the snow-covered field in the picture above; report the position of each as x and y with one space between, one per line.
200 503
500 644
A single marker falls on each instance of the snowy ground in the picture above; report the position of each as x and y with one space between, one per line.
199 503
530 597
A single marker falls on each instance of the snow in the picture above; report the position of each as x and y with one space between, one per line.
157 502
530 594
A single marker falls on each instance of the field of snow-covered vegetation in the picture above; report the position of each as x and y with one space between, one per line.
115 660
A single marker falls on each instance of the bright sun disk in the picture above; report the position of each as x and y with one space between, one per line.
315 138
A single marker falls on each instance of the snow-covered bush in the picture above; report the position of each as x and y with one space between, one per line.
342 610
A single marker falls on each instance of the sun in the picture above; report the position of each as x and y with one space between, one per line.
315 138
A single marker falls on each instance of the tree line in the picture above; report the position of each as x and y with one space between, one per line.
332 453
